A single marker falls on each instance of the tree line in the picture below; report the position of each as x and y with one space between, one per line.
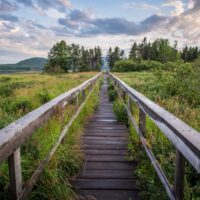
157 52
63 58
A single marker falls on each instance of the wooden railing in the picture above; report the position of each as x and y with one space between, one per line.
185 139
16 134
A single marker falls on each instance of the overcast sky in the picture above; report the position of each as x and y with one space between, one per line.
29 28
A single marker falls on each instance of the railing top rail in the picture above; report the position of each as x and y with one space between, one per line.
13 135
189 136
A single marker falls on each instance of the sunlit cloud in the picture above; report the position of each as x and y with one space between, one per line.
34 31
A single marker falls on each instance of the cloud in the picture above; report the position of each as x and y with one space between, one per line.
78 15
194 5
8 17
143 6
84 24
6 6
177 4
42 5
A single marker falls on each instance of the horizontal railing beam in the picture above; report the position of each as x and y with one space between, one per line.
15 134
185 138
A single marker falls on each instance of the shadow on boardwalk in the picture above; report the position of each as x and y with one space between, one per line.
106 175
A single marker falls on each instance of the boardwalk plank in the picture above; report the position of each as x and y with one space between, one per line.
106 175
109 194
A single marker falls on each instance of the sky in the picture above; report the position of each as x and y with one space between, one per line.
29 28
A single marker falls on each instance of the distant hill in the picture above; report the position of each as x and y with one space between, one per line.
31 64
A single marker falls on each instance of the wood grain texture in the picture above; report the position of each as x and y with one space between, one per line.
107 174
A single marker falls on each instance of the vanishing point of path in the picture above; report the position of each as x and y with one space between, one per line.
106 175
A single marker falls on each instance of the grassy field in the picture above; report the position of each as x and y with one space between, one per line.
26 93
148 84
21 93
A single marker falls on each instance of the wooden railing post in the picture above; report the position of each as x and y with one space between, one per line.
77 101
124 96
130 105
90 86
179 176
142 121
83 95
15 175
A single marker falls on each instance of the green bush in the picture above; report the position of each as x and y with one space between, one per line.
4 79
21 105
112 95
44 96
140 65
111 87
120 111
181 81
5 90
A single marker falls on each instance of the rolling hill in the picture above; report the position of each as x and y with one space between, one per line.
31 64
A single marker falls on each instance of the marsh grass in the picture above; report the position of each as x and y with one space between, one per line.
53 183
22 93
164 151
147 83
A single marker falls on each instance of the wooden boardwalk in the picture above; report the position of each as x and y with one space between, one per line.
106 175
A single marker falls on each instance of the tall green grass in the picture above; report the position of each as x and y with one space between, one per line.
164 151
22 93
53 183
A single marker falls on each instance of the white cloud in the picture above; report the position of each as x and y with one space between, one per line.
66 3
177 4
29 38
143 6
54 13
191 4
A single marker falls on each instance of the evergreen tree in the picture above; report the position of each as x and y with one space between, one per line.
58 58
133 52
75 55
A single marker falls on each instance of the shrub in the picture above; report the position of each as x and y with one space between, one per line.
181 81
44 96
5 79
20 105
120 111
131 65
112 95
5 90
111 87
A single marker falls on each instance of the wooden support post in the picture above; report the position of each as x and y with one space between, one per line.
179 176
90 87
129 104
124 96
83 95
14 163
77 101
142 121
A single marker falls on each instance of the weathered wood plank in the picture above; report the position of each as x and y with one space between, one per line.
105 138
104 158
106 169
104 147
116 134
105 184
15 174
109 165
109 194
105 142
105 152
179 176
